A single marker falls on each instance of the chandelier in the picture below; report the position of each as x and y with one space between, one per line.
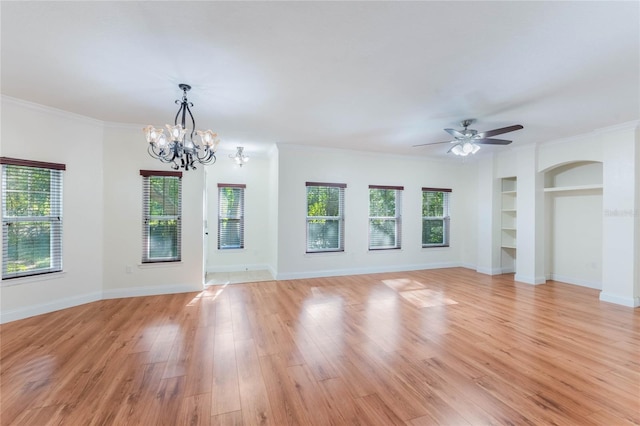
239 157
179 146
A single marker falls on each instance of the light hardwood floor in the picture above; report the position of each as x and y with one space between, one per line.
447 346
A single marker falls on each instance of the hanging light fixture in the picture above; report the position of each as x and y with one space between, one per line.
179 146
465 148
239 157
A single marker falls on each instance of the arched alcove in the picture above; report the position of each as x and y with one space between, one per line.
573 218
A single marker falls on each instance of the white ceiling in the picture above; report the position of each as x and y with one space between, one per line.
378 76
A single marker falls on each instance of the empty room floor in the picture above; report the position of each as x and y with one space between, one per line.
447 346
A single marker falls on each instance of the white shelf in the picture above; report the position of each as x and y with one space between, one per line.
505 228
509 210
508 246
510 192
573 188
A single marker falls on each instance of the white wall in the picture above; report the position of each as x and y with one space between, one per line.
274 167
488 217
256 175
358 170
42 134
574 239
574 224
103 208
124 156
621 175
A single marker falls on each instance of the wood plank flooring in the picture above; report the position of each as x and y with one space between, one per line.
447 346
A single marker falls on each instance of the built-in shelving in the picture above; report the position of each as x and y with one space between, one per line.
508 223
574 188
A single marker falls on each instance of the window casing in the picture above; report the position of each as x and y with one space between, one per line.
325 217
230 216
385 217
31 217
161 216
435 217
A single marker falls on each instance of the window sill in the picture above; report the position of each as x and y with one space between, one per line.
153 265
324 253
436 246
10 282
383 250
231 250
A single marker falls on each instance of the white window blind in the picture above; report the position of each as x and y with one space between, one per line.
230 216
385 217
435 217
31 217
161 216
325 217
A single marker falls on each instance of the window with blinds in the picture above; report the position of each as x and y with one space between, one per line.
31 217
325 217
435 217
385 217
230 216
161 216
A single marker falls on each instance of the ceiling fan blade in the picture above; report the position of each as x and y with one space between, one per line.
454 133
492 141
432 143
500 131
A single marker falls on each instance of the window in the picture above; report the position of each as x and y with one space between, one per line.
161 216
385 220
435 217
230 216
325 217
31 217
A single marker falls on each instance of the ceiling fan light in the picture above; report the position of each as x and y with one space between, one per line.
476 148
467 148
457 150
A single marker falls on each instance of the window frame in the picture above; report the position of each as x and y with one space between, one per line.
445 218
146 216
54 218
397 218
239 217
339 218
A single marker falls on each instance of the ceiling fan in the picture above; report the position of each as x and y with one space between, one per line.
468 141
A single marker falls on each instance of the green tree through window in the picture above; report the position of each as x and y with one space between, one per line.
385 225
435 217
162 205
230 216
325 217
31 217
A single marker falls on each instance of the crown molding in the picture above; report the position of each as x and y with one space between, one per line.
627 125
51 110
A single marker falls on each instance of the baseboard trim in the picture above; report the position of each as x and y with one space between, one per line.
488 271
119 293
361 271
238 268
575 281
529 279
45 308
632 302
